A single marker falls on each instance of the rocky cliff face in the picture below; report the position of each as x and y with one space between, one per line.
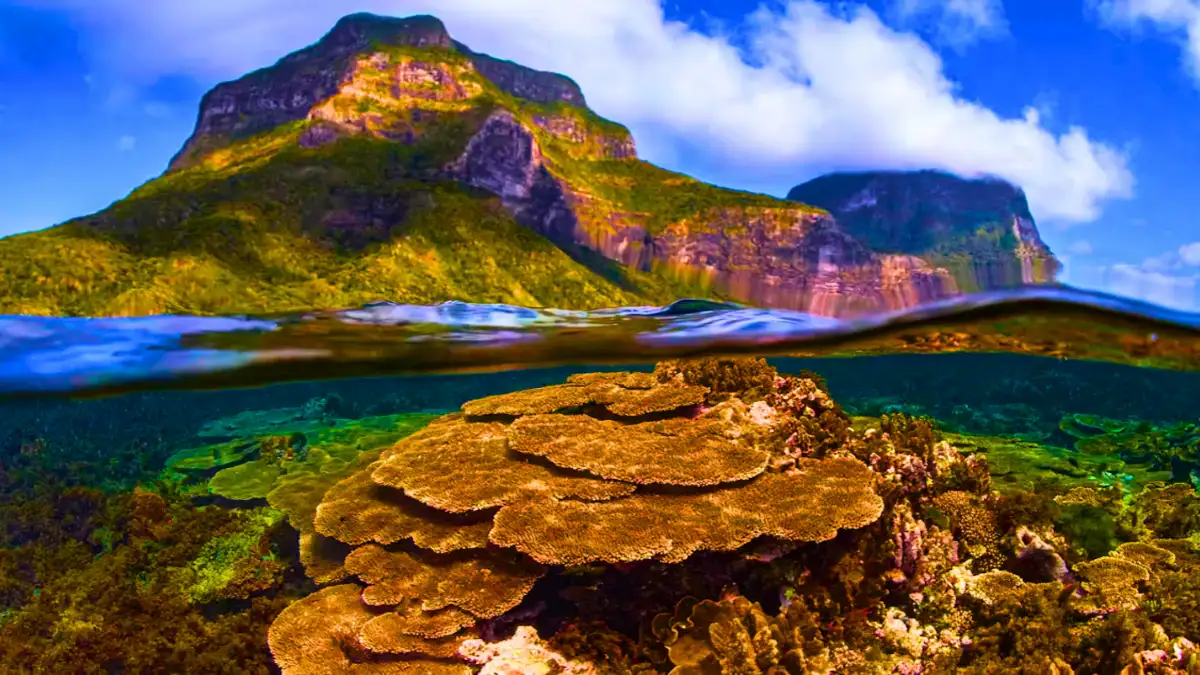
779 256
528 138
941 217
288 91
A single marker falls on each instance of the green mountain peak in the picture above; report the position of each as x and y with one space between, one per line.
387 161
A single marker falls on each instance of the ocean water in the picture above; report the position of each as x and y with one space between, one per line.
1001 483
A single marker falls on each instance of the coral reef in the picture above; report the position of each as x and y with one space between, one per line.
453 524
713 516
137 582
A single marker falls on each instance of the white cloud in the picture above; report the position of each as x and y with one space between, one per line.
1189 254
1169 279
1178 18
126 143
830 87
958 22
1177 291
1081 247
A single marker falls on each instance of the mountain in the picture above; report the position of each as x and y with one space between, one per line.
388 161
979 228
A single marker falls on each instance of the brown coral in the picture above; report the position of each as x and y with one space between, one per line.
381 636
994 586
978 527
410 619
1111 583
676 451
1080 496
808 504
461 466
531 401
319 633
323 558
626 380
749 377
735 636
624 394
357 510
486 583
327 632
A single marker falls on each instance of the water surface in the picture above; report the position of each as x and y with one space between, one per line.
160 479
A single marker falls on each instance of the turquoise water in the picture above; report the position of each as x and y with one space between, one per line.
998 483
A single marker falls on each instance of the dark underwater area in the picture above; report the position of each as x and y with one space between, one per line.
985 486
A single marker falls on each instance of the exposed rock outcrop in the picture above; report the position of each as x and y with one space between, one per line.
939 216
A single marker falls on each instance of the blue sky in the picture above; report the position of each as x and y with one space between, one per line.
1091 105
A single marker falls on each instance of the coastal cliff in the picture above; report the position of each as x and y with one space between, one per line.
389 161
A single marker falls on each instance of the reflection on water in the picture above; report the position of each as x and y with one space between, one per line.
991 485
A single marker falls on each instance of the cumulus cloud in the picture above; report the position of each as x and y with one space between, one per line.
1169 279
1177 18
806 83
1189 254
957 22
1177 291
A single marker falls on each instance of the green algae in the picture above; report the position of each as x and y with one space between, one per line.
211 457
295 486
235 565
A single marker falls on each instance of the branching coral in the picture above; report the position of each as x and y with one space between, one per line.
749 378
977 525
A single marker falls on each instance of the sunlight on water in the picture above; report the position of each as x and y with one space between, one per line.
448 488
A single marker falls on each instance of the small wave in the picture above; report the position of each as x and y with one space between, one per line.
79 356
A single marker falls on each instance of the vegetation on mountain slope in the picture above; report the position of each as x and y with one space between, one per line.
261 224
261 233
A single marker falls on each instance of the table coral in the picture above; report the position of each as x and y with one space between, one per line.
623 394
320 634
486 583
810 503
357 510
676 451
460 466
602 501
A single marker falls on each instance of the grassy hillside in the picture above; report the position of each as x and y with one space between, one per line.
262 235
258 223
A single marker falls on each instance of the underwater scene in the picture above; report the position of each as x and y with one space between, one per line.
1002 483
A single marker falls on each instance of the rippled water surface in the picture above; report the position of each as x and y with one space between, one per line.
989 484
